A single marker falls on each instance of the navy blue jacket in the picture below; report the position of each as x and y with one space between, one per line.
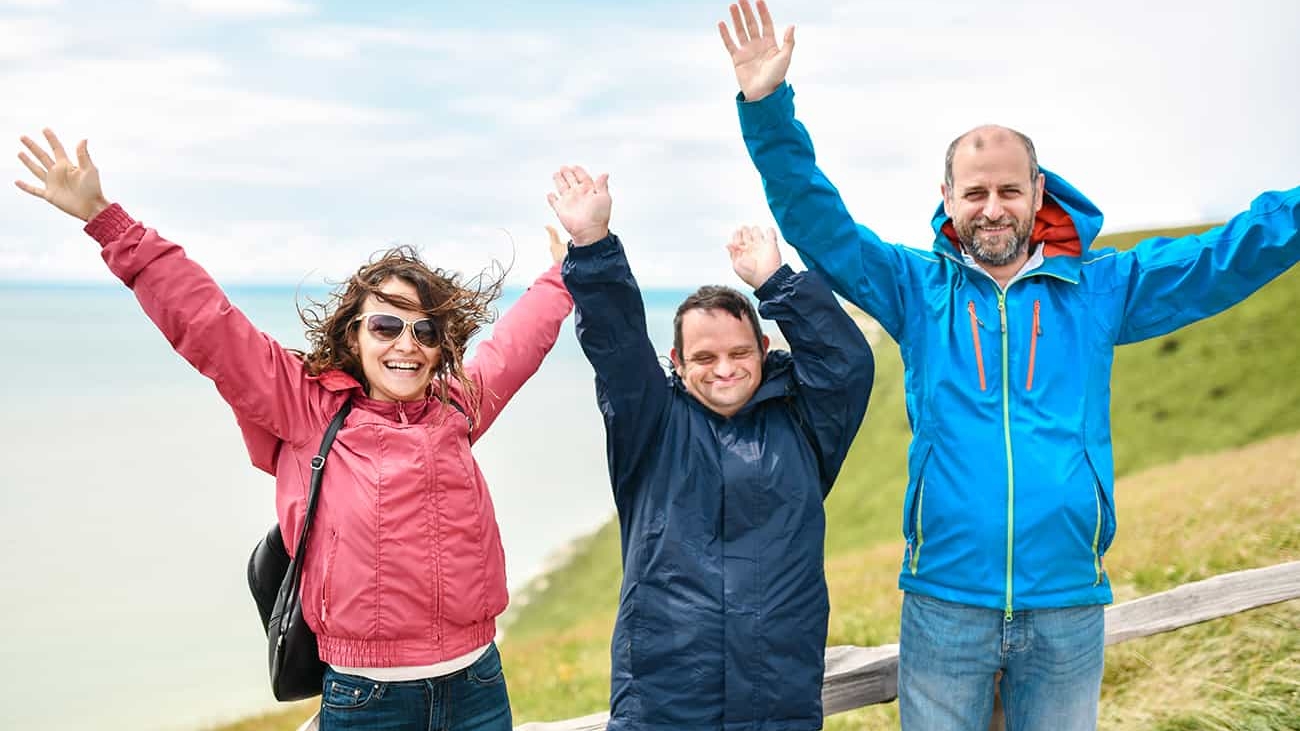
723 609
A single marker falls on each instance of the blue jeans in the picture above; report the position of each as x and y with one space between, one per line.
949 654
473 699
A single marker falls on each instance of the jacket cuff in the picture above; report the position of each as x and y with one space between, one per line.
783 276
592 250
771 110
109 225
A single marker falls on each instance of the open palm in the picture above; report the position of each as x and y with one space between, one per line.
582 204
72 187
761 64
754 255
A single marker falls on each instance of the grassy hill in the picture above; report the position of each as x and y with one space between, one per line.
1193 501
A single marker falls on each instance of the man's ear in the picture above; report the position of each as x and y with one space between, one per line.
1040 185
943 191
766 342
677 361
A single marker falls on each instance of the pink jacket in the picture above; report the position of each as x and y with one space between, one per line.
404 566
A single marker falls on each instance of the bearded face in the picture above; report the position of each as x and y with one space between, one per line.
997 242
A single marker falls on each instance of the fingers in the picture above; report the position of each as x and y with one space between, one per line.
552 199
37 152
726 38
57 147
29 188
751 23
742 37
37 170
581 175
765 18
787 44
83 156
561 184
570 177
602 183
771 237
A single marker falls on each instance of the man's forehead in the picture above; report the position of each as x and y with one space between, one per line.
714 330
989 149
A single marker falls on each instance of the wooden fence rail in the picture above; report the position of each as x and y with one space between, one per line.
863 676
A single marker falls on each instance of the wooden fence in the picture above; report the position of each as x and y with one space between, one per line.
863 676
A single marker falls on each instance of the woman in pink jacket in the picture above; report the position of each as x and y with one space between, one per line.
404 574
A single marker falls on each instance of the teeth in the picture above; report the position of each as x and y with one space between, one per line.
402 366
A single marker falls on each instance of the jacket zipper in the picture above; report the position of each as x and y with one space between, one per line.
325 577
920 537
1033 344
1096 539
1006 432
975 326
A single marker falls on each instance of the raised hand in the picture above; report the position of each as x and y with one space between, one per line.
754 255
558 248
760 64
582 204
72 188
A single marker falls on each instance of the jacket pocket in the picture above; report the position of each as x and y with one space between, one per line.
331 554
913 513
1104 532
975 326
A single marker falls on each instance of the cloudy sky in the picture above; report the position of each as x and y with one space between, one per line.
287 139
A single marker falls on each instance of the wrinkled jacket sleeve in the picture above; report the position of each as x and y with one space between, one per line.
833 363
631 388
1175 282
264 383
520 341
866 271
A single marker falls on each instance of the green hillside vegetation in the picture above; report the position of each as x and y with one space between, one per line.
1193 501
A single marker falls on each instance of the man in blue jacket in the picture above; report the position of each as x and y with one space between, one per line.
719 470
1006 330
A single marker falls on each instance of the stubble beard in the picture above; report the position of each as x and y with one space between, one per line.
994 256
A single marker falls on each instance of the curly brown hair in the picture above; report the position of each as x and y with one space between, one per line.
460 308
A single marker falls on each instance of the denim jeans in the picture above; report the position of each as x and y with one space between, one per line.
949 654
473 699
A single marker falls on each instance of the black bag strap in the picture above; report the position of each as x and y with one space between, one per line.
317 472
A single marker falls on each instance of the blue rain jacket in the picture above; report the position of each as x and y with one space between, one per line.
722 613
1010 500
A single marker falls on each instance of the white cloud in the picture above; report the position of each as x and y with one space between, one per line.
240 8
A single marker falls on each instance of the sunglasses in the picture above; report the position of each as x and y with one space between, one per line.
387 328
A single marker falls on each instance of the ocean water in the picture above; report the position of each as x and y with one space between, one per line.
128 507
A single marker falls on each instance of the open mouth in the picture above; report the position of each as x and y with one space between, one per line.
402 366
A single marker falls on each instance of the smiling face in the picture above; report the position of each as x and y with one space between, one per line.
992 195
721 361
401 369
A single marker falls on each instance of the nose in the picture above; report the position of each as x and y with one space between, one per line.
993 207
725 367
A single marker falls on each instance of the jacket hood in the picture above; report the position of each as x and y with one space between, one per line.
1067 224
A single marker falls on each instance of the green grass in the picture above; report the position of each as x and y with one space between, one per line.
1218 385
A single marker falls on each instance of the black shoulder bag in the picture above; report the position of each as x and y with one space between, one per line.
276 580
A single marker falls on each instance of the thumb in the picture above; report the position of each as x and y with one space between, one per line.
602 183
83 156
